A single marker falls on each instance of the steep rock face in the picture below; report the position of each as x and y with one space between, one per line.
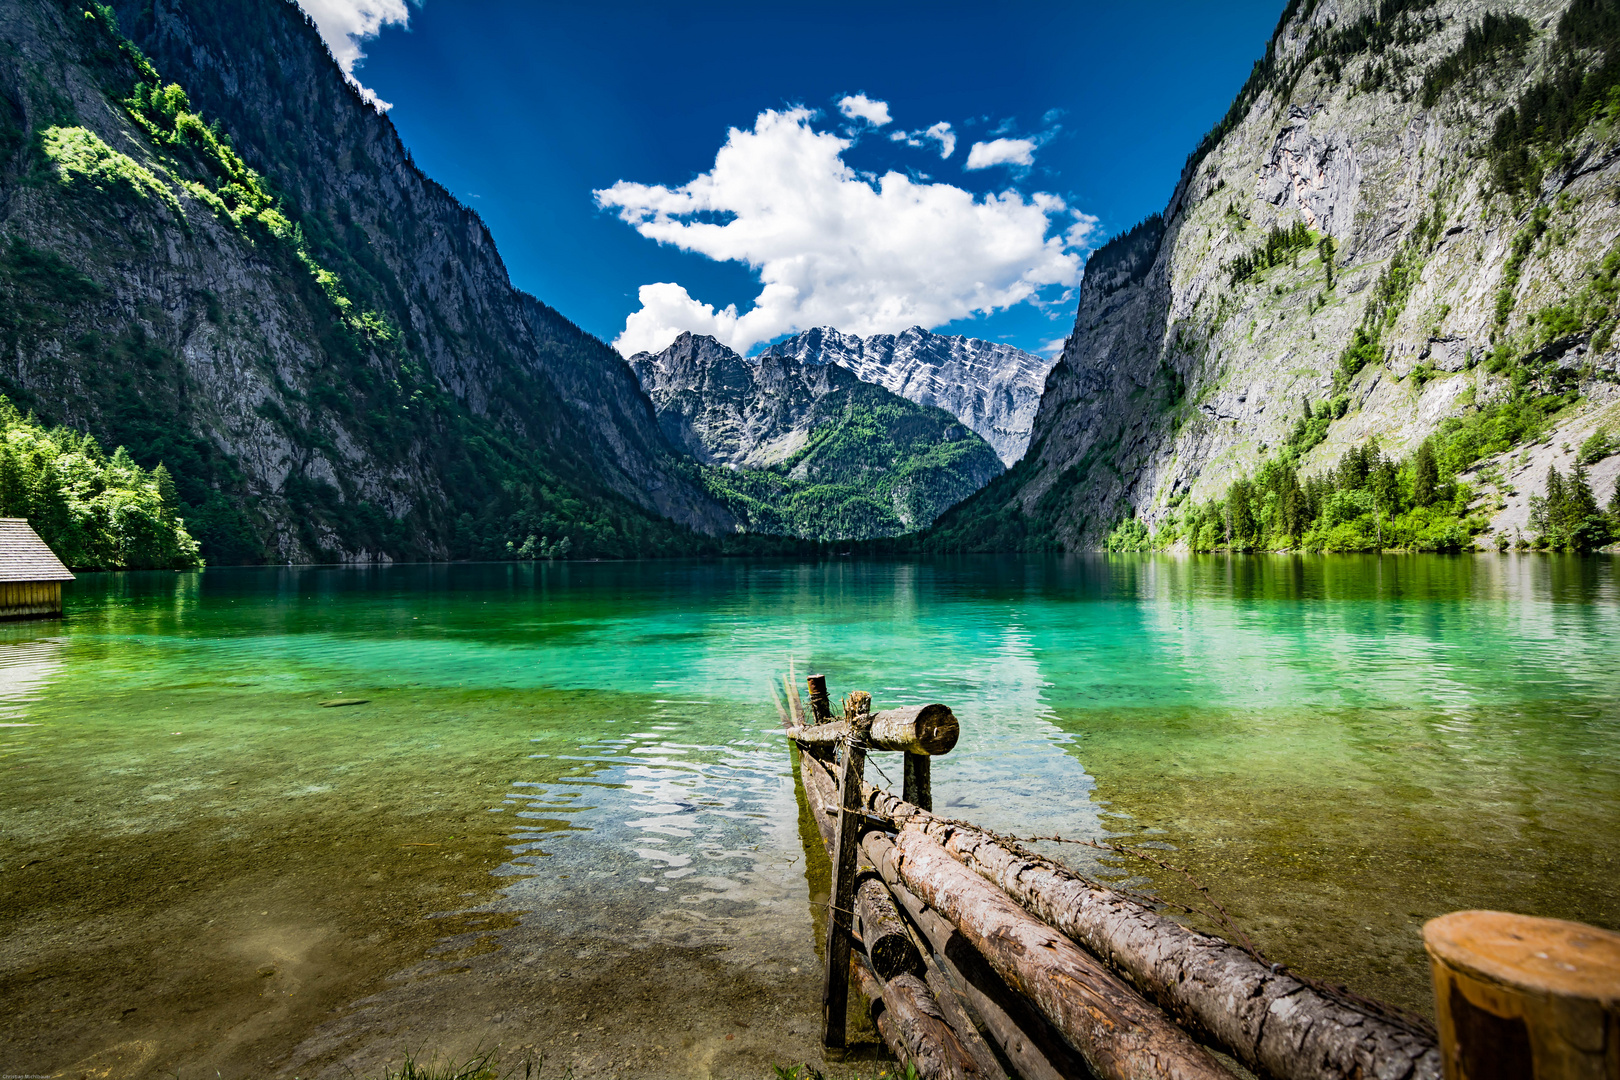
799 425
724 410
1182 374
409 398
992 388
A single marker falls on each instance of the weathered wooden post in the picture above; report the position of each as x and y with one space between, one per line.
820 710
1522 997
840 922
917 787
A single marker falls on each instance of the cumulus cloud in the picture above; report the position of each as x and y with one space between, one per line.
1019 152
940 133
832 247
861 107
346 24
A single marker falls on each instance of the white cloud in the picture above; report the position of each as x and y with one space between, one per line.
345 24
940 133
1053 347
983 155
861 107
867 255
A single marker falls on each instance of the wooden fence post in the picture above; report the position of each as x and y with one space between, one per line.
840 921
917 786
820 709
1518 996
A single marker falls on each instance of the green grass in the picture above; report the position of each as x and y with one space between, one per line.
484 1066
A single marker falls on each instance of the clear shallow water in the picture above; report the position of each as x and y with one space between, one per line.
1340 747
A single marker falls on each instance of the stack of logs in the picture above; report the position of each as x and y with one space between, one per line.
983 959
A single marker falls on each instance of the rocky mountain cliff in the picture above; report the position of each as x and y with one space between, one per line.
992 388
216 254
808 449
1404 230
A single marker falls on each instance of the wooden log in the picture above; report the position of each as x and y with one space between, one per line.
1524 997
1126 1036
1028 1042
840 921
888 946
917 729
954 1009
916 1031
820 794
872 990
1120 1036
917 785
820 708
1270 1021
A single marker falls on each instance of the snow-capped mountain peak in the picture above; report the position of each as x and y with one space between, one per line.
993 389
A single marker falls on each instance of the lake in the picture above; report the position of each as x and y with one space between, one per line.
557 815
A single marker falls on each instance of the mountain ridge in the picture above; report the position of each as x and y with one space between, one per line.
321 343
809 449
1340 264
993 388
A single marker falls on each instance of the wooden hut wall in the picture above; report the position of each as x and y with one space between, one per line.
19 599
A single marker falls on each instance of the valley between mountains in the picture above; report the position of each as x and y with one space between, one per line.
1376 312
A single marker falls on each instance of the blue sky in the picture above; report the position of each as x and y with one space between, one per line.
587 136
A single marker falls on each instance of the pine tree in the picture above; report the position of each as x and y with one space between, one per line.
14 500
1425 475
1385 484
168 494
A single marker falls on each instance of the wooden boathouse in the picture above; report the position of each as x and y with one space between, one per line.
31 575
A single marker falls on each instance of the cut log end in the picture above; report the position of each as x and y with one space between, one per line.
937 729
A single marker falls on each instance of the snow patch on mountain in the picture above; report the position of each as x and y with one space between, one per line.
993 389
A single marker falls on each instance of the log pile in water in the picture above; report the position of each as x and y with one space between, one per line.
1064 975
1114 1031
1270 1021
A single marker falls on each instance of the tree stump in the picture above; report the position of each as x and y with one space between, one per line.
1523 997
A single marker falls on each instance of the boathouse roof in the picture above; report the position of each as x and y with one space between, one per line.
25 557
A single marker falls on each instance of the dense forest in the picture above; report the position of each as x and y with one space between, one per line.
882 468
97 512
1372 502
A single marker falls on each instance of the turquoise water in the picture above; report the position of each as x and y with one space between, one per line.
1338 747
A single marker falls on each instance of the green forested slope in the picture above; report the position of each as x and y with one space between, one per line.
1379 310
332 363
876 468
97 512
805 449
